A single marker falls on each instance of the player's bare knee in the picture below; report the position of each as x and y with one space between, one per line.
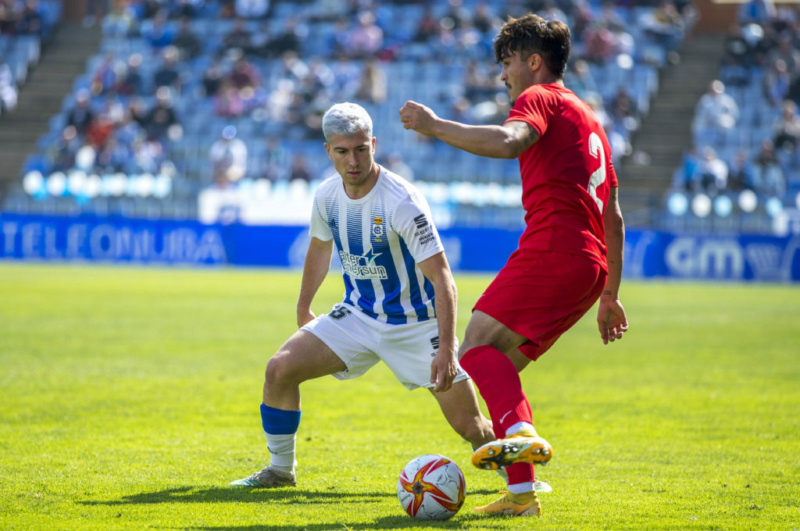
281 371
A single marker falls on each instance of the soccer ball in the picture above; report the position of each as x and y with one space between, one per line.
431 487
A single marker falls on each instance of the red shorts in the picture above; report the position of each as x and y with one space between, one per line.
541 294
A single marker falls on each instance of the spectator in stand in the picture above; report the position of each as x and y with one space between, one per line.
129 129
711 174
31 18
580 80
102 126
396 164
186 8
300 170
238 38
168 74
81 114
623 110
62 152
553 11
131 84
104 78
478 84
228 157
366 39
769 177
764 41
244 75
484 19
287 41
758 11
8 19
228 102
137 109
159 34
95 10
582 18
741 173
114 156
336 41
716 113
187 43
150 8
600 43
427 27
252 8
372 87
275 161
739 56
149 154
664 25
8 89
684 177
162 122
787 128
213 78
786 52
346 78
123 21
456 16
776 83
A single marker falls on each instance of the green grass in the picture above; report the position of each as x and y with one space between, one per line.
130 399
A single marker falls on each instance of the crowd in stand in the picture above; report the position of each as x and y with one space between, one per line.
24 25
747 127
170 78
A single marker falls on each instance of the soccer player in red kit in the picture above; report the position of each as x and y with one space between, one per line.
569 255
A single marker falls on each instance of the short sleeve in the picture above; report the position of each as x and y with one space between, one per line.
413 223
534 108
319 220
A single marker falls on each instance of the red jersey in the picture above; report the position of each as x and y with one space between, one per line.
566 174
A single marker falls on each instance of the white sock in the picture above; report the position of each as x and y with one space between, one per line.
520 426
521 488
282 450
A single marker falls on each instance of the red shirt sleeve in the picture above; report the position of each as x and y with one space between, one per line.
533 108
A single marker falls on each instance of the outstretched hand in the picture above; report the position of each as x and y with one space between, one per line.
611 319
418 117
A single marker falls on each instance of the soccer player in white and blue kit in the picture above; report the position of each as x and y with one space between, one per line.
399 303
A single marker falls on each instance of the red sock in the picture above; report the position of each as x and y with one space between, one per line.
499 384
520 473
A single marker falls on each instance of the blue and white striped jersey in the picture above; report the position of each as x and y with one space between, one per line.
380 238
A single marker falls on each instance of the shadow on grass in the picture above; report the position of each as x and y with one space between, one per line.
229 495
465 520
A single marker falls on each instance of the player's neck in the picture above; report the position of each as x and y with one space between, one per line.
358 191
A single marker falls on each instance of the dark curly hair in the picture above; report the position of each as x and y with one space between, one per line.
531 34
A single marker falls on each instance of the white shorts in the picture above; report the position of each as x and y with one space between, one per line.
361 342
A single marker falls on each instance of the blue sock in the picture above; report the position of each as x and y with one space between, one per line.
280 427
279 421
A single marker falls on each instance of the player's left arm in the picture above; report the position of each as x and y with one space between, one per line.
611 319
506 141
444 366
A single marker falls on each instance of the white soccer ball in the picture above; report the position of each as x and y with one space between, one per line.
431 487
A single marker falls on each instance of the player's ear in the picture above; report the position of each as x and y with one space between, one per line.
535 61
373 144
327 149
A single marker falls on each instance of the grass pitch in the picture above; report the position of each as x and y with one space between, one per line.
130 399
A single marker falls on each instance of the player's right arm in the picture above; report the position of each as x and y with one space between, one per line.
611 319
506 141
315 269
